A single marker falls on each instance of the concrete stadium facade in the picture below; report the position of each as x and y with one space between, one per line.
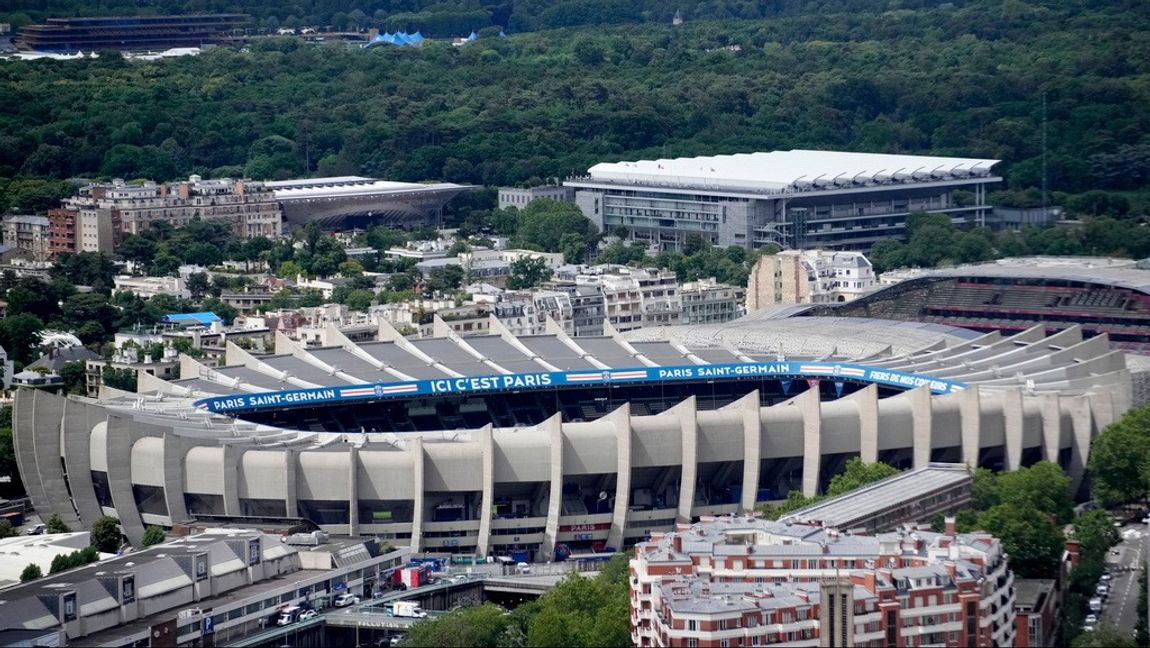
153 458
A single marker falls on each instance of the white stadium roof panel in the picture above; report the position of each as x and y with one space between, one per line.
783 170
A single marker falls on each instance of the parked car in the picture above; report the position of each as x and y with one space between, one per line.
35 529
1096 605
346 599
1091 619
1106 577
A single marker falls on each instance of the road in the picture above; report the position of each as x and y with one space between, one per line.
1124 561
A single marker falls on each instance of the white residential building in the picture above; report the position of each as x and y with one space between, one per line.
809 277
147 287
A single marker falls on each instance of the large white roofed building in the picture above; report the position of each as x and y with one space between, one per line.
790 198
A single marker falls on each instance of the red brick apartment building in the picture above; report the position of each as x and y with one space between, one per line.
739 581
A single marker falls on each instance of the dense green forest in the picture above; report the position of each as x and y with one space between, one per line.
963 79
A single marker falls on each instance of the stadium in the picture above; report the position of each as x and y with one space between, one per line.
1103 296
540 446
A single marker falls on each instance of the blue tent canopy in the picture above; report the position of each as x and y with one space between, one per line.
191 319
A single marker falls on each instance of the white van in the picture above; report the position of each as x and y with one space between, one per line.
289 615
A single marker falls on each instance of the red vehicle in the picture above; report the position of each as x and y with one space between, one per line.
415 576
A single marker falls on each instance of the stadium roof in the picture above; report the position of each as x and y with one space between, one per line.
1120 273
350 186
781 171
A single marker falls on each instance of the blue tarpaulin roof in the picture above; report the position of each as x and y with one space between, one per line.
188 319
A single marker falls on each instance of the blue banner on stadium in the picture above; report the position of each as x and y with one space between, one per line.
545 380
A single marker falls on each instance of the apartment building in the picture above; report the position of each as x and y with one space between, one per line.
103 213
635 297
520 198
29 233
707 301
809 277
743 581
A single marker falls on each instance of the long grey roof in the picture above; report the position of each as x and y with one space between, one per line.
844 510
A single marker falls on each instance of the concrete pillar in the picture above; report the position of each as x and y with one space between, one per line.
24 445
752 447
1051 410
970 409
1013 419
417 459
921 414
1081 423
810 407
352 490
553 427
79 418
120 441
291 490
621 419
487 441
1101 408
233 460
36 441
174 450
687 411
866 399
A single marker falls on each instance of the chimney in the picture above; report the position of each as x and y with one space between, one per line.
950 525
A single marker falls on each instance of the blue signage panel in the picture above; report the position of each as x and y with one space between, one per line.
544 380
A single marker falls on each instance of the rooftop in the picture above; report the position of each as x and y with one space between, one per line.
786 171
847 509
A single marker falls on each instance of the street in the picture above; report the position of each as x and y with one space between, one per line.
1124 561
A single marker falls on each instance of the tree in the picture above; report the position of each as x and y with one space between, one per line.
203 254
543 223
197 284
444 279
122 379
20 334
480 626
8 466
359 300
1120 459
139 249
858 474
528 272
153 535
350 268
1103 637
1042 487
55 525
983 489
6 530
106 534
289 270
1031 537
31 573
1095 534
